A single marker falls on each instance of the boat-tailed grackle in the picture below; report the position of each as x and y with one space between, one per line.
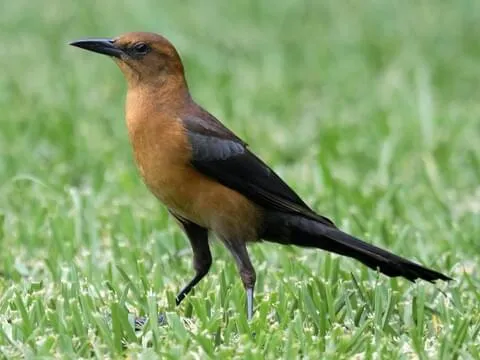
210 180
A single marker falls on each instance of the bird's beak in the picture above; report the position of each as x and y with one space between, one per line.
101 46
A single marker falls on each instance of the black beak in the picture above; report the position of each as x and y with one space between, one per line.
101 46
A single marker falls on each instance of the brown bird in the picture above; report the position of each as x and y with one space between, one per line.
209 179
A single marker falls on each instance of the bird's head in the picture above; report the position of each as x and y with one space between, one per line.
144 58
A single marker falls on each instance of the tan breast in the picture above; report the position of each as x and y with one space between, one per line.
162 154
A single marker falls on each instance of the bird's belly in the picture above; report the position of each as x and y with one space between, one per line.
207 203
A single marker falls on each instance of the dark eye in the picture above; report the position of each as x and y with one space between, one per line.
141 48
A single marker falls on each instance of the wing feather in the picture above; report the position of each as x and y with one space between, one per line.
221 155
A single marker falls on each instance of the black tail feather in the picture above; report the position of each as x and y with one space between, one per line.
295 230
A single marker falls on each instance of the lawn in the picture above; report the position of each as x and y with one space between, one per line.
369 109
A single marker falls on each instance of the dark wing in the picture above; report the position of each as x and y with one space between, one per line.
221 155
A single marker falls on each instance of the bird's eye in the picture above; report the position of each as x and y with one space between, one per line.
141 48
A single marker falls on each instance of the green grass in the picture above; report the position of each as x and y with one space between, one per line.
369 109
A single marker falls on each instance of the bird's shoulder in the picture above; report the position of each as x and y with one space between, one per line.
201 122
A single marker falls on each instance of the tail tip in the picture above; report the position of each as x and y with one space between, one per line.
434 277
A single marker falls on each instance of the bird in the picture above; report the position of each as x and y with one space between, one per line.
210 180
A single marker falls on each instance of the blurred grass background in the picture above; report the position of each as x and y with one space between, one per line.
369 109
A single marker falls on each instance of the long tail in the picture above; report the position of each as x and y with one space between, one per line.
295 230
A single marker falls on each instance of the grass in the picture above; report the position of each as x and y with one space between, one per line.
369 109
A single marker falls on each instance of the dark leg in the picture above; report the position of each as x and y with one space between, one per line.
246 270
202 258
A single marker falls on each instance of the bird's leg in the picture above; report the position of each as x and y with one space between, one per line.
202 258
250 303
246 270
